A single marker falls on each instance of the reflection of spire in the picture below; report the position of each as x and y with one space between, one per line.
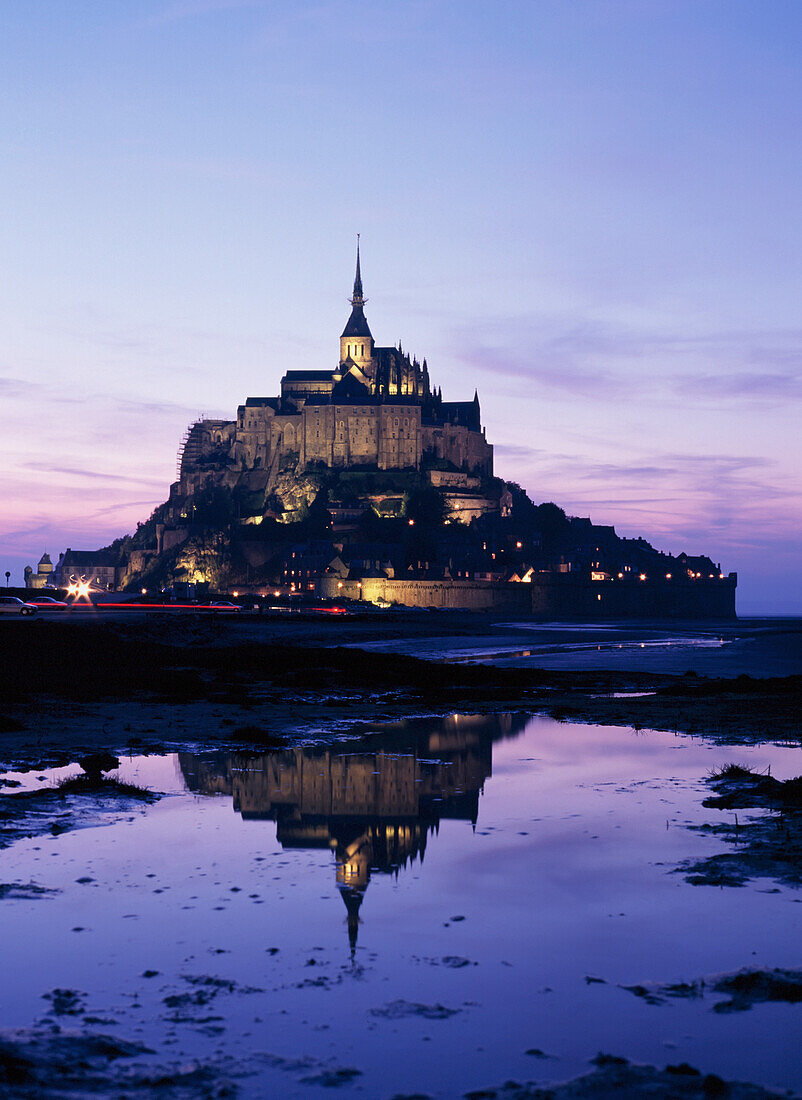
353 899
373 803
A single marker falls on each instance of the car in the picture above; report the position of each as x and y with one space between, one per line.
47 603
223 605
13 605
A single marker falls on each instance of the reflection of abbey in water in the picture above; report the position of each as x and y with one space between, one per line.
373 802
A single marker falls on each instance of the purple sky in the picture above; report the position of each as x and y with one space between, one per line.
589 211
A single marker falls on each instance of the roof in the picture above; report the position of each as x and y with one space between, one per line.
307 376
92 558
351 390
465 413
45 559
259 402
357 324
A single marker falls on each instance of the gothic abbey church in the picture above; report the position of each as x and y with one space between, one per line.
375 409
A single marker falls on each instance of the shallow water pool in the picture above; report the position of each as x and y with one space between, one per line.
430 906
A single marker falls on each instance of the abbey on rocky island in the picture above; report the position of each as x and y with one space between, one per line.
361 483
376 408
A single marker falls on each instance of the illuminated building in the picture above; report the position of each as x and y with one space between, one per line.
376 407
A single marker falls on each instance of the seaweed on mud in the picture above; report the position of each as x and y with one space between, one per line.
615 1076
740 788
743 989
764 846
751 987
398 1010
37 1064
26 891
332 1078
73 804
103 784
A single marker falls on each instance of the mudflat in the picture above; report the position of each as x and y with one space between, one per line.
75 687
214 835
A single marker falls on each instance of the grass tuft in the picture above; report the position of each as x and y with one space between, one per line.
98 784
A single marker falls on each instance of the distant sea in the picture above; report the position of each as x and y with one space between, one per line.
770 646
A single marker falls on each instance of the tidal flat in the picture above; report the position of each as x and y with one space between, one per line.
426 889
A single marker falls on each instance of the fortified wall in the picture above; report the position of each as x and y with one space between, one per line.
551 596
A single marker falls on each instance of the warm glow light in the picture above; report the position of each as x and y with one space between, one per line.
80 589
620 576
518 545
668 576
235 594
643 576
339 584
412 523
144 591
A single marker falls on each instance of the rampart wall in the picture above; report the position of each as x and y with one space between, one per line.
470 595
553 596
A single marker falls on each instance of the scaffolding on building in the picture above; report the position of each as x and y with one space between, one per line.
189 448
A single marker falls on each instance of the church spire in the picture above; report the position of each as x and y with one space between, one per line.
357 325
358 298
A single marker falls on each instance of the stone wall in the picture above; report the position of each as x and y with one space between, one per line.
469 595
552 596
454 443
567 596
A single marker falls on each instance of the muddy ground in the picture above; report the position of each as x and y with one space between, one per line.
61 1063
71 688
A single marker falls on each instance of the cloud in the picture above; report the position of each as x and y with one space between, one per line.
542 363
112 509
17 387
755 385
722 504
162 408
607 359
513 450
73 471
